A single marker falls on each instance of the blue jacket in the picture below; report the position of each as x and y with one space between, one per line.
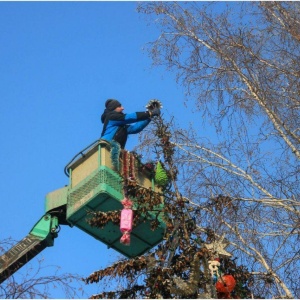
116 125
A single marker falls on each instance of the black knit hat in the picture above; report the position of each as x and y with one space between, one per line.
112 104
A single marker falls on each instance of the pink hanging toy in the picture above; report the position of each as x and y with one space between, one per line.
126 221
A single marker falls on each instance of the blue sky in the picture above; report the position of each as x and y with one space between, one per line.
59 62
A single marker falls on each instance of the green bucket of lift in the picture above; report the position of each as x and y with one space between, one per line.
95 186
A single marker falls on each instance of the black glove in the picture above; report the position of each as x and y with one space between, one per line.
155 112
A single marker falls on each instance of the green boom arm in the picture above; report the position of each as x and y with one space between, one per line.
41 236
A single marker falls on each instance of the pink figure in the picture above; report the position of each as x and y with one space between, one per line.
126 221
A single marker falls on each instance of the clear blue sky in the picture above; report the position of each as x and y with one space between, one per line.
59 62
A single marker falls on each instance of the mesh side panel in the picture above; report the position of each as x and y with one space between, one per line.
114 181
92 184
83 190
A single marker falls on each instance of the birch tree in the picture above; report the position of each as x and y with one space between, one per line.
239 65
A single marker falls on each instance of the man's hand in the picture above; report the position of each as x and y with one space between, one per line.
155 112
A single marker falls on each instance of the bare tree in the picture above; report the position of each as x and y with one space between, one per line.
240 61
236 61
31 283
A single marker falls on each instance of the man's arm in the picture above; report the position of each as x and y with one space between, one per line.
124 119
138 126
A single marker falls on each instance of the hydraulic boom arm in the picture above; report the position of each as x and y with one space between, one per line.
41 236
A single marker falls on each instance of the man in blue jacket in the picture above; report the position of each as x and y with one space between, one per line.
116 124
